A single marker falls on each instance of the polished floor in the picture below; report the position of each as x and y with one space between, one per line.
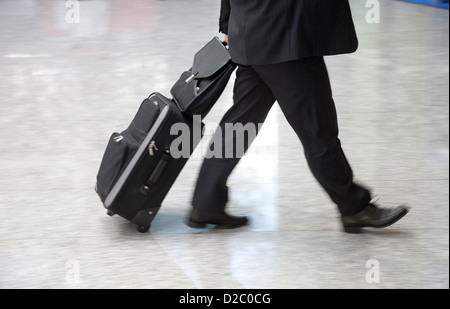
70 78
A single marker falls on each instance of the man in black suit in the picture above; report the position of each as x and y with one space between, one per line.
280 48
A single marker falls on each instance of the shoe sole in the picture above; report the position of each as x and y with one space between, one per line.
198 225
358 229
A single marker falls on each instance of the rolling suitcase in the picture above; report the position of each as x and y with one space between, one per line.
138 167
141 164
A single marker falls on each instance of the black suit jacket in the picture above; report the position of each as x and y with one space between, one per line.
265 32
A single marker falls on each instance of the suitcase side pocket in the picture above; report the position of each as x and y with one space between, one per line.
112 164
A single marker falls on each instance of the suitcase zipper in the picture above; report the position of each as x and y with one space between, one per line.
152 147
190 79
118 138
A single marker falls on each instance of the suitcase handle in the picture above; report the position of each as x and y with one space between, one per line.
158 170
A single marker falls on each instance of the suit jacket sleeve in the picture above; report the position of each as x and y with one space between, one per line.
225 11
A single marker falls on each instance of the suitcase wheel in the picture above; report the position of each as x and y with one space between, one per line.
110 213
143 229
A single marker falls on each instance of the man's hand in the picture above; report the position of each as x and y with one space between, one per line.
226 38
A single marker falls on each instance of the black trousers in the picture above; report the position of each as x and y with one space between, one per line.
302 89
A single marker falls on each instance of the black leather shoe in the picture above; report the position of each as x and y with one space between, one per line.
373 216
199 219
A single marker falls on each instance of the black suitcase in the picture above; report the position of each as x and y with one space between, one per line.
138 167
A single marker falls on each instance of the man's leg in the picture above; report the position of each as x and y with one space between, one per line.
252 102
303 91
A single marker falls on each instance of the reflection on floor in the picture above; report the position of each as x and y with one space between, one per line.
69 80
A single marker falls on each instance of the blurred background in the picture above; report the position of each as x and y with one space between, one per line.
73 72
